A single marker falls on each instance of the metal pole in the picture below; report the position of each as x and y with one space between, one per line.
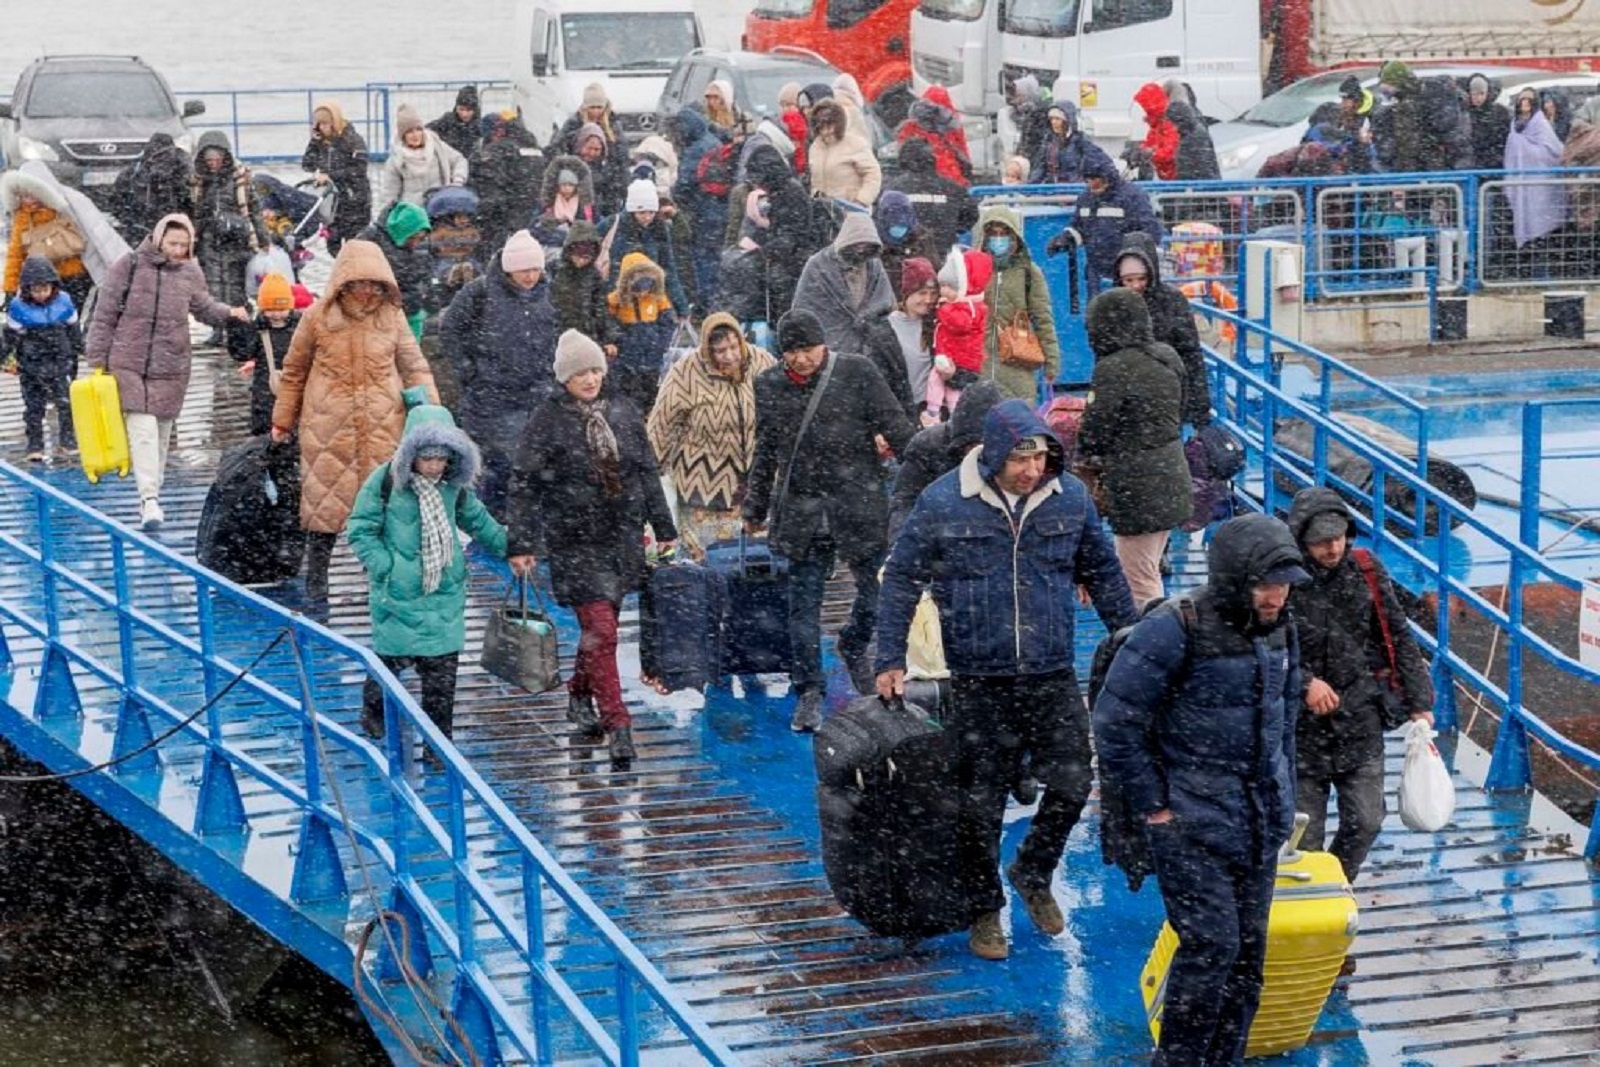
1532 468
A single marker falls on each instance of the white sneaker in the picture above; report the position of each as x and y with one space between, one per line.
150 516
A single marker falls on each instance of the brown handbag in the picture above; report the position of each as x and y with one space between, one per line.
1019 345
57 240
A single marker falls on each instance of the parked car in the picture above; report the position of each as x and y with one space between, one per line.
756 78
88 117
1279 121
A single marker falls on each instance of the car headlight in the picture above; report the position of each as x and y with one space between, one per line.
28 148
1239 156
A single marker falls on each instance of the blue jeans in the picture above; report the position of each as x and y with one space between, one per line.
808 579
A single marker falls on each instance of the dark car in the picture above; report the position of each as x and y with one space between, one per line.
88 117
756 78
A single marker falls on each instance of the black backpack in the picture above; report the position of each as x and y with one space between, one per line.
1107 649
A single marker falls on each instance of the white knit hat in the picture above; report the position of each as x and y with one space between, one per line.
642 196
576 353
522 252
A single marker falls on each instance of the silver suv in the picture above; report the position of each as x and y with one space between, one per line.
88 117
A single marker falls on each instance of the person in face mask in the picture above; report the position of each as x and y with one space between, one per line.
896 218
1016 292
643 325
845 285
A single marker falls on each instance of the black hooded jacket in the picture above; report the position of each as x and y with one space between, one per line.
1491 126
1342 643
1197 157
464 137
1132 427
944 209
1172 322
791 237
153 187
579 293
938 449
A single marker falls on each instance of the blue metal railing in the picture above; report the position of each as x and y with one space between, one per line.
1253 404
401 827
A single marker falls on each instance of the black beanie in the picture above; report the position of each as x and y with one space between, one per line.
468 97
1351 89
799 329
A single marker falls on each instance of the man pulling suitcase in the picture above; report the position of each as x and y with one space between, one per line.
1002 542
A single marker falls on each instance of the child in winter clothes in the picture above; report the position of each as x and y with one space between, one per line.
578 289
249 343
643 324
958 339
403 529
42 342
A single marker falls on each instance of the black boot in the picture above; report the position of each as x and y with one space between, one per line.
581 713
622 748
319 553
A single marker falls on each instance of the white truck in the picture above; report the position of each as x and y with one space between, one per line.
629 46
1095 53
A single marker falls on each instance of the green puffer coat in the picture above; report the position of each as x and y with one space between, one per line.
1017 285
386 535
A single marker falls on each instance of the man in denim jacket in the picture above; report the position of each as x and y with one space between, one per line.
1003 542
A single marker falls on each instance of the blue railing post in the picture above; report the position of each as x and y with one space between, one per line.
220 807
627 1017
1444 686
538 993
1532 474
1510 768
57 695
481 1046
1591 847
402 926
461 862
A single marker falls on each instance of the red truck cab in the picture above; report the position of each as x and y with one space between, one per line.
870 39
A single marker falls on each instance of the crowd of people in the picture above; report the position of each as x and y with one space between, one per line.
581 380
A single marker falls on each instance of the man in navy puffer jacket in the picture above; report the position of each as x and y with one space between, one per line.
1195 732
1003 541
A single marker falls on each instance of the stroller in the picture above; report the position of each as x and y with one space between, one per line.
282 204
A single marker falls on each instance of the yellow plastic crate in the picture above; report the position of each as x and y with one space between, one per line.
1309 932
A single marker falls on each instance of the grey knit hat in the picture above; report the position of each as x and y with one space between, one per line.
576 353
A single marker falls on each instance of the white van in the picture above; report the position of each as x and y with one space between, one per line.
629 46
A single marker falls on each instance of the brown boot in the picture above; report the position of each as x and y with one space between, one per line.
987 938
1040 905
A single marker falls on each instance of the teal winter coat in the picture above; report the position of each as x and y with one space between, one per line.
385 531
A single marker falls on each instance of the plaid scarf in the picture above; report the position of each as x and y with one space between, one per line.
438 538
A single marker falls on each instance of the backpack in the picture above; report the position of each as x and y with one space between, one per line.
1064 416
1112 643
715 172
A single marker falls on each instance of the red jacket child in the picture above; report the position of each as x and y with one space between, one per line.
963 317
1162 139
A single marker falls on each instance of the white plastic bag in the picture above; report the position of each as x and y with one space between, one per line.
1427 796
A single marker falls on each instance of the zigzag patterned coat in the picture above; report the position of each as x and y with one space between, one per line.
703 426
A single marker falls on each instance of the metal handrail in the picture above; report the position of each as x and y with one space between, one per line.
530 1031
1432 557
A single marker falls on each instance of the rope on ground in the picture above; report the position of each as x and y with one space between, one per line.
24 779
1479 705
415 984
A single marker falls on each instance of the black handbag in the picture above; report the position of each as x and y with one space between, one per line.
1223 452
519 643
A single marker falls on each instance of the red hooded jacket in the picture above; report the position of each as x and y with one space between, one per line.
1162 140
952 158
794 124
963 325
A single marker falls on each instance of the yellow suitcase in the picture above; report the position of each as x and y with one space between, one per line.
97 420
1310 929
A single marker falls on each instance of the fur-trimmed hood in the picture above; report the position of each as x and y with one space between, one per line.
429 425
547 188
15 184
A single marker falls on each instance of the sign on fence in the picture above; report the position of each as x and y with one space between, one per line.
1589 625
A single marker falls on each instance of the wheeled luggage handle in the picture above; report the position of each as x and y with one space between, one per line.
760 570
1290 852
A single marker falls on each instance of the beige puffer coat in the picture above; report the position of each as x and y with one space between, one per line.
341 387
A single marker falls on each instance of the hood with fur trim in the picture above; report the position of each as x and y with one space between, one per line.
432 426
15 184
629 307
547 188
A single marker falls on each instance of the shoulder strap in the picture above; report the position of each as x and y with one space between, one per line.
1369 573
274 373
805 421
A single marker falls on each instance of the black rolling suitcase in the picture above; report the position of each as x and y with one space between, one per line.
888 803
249 527
755 617
680 638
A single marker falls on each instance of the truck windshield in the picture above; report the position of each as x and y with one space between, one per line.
1040 18
627 41
952 10
784 9
98 94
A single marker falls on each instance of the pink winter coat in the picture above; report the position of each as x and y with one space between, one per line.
140 328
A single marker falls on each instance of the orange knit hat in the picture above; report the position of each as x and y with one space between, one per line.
275 294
